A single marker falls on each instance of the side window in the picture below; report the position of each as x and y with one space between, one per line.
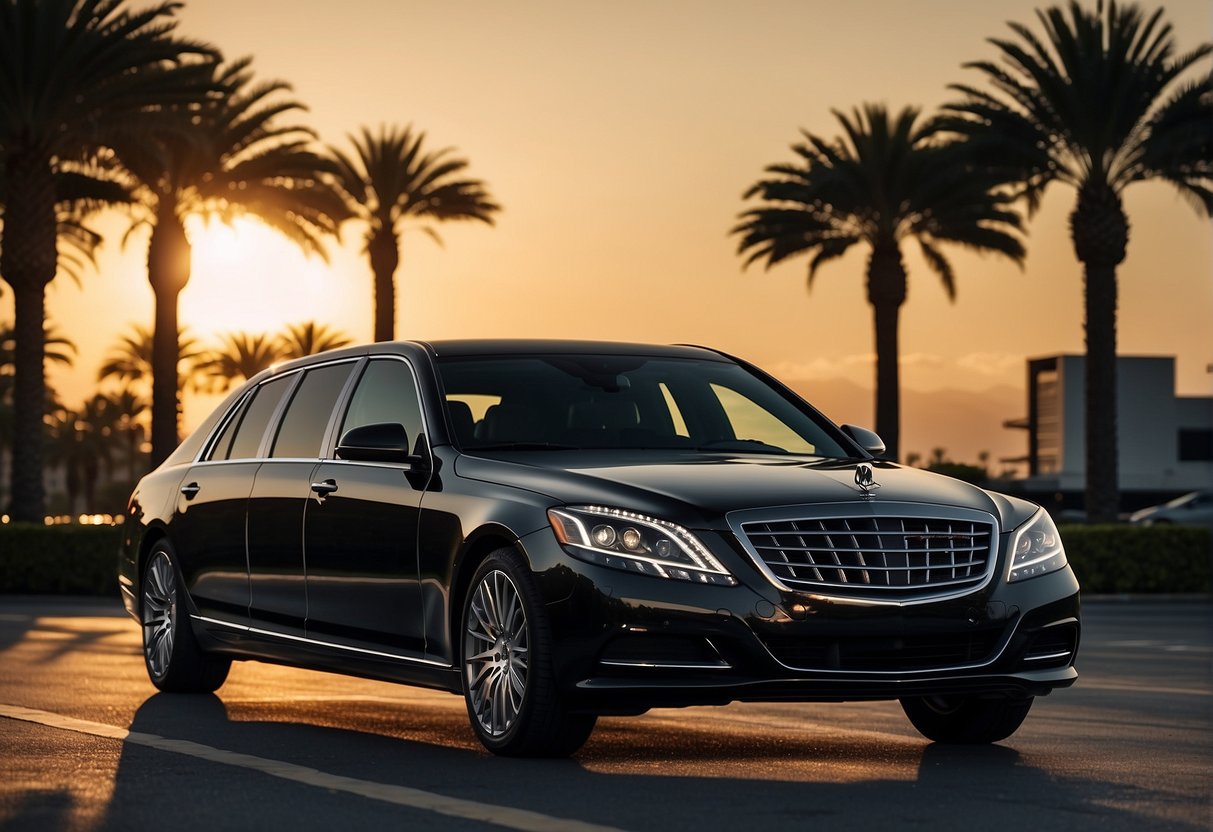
752 422
223 444
307 416
385 393
257 417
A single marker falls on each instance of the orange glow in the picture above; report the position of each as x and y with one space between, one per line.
618 140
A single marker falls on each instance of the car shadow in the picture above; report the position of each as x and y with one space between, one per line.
852 783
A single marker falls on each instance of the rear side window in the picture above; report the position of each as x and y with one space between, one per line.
307 416
256 418
385 393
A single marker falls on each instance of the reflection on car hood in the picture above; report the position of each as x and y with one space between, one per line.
699 489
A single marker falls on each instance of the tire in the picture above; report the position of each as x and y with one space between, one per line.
174 661
506 665
966 720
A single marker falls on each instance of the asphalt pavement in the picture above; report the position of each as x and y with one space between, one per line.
87 744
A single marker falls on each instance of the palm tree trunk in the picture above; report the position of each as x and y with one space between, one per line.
28 261
384 250
1103 487
886 293
168 270
1100 232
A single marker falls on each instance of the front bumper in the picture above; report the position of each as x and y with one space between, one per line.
625 642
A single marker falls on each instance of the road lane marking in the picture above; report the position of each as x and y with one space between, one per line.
1084 684
455 807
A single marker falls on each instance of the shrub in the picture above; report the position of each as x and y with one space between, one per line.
1140 558
59 560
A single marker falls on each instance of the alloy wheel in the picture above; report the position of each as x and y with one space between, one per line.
496 649
159 613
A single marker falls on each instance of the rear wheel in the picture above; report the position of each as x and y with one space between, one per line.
508 681
170 650
966 719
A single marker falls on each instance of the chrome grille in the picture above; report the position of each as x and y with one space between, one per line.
874 557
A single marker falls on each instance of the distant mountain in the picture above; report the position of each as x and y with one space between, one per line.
963 422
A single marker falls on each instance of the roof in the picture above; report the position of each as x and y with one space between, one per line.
535 346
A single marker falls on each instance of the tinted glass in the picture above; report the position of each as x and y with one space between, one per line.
223 443
257 417
385 393
634 402
188 449
307 416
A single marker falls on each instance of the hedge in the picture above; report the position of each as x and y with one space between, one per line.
59 560
1118 558
1107 559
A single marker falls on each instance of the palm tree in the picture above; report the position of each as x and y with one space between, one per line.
83 443
81 189
392 180
129 408
129 361
75 75
1102 102
309 338
237 159
887 179
58 350
241 356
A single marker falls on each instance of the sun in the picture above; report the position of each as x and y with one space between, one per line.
219 244
246 277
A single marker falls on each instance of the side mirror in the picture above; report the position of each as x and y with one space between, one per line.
865 439
381 442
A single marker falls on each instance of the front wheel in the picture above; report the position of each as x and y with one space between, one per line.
508 681
174 660
966 720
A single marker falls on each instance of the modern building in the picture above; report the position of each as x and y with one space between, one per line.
1165 441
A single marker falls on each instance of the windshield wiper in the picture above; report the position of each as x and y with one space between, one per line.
522 446
747 446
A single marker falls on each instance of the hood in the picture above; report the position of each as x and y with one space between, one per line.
699 490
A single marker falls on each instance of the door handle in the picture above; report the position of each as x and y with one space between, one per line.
326 487
191 490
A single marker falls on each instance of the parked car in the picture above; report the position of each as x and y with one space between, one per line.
557 530
1194 509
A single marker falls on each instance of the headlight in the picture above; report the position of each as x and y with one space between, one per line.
636 543
1036 549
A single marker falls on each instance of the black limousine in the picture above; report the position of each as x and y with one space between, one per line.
557 530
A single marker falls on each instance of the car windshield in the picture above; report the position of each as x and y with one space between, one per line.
626 402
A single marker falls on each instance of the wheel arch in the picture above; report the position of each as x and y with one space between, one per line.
478 546
147 543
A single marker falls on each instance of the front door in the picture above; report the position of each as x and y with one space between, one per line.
360 529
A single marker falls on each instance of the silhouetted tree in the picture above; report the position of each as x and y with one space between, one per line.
74 76
241 356
309 338
885 180
1103 100
129 361
391 180
57 350
83 443
236 158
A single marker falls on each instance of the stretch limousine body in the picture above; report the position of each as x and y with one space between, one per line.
557 530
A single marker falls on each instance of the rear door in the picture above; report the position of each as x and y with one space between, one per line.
209 522
280 493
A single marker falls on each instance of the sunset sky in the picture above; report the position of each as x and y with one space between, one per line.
619 138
